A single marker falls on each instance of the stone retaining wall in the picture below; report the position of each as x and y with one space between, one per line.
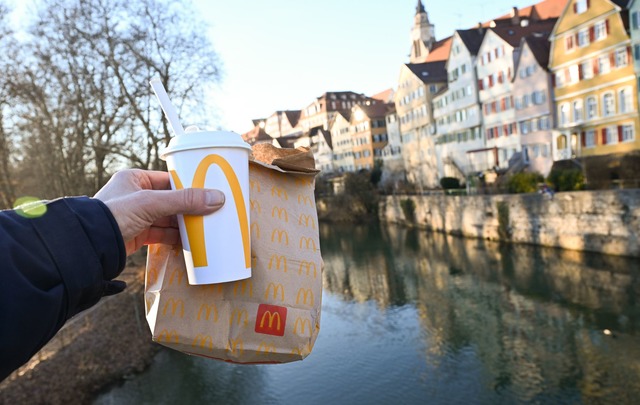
599 221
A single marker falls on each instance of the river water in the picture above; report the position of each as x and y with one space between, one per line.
410 317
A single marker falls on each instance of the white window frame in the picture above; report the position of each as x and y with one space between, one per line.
604 64
625 100
587 69
606 111
583 38
589 106
590 138
563 113
581 6
578 111
612 135
574 74
600 30
628 133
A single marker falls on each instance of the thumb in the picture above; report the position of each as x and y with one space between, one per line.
190 201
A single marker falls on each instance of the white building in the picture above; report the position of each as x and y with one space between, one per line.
392 163
342 142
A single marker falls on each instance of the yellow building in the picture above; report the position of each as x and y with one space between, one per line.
595 85
369 134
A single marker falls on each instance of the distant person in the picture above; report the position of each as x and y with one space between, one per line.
62 262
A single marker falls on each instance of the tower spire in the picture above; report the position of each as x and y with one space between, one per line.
422 35
420 7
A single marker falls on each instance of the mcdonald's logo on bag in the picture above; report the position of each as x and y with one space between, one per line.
237 314
255 206
178 274
281 234
303 182
168 336
254 185
271 320
195 223
245 286
278 260
255 230
276 288
206 311
174 307
304 200
303 350
307 219
308 265
202 341
266 348
303 324
152 275
304 294
280 192
308 243
282 212
235 346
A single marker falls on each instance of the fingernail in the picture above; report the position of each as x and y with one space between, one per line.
215 198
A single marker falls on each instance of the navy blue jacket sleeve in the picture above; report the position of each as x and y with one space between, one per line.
51 268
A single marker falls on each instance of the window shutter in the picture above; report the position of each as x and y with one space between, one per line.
514 128
491 81
592 33
606 24
575 8
596 68
612 59
580 74
503 104
629 55
553 80
604 136
567 76
480 84
588 3
569 42
619 133
583 139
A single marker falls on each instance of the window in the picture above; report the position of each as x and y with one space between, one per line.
592 108
636 51
621 57
586 69
574 74
590 139
600 30
583 37
635 20
560 79
625 100
539 97
612 135
627 133
577 111
564 114
580 6
608 105
604 64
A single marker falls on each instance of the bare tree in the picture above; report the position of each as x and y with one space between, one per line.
7 189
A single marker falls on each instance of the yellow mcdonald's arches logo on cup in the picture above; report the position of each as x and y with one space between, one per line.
195 223
308 243
206 310
278 260
308 265
253 184
266 348
276 287
168 336
302 324
255 205
255 230
174 307
304 293
202 341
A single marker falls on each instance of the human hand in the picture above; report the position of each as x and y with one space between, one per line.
145 207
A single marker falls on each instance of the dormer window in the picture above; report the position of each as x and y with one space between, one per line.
580 6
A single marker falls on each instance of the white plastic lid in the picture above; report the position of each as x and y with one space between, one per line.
195 139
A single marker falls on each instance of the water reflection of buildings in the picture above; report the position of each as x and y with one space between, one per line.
533 317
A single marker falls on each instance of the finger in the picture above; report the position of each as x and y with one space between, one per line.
166 236
190 201
159 180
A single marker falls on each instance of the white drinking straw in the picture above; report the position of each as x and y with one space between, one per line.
167 107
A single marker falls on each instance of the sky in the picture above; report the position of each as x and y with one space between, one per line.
282 54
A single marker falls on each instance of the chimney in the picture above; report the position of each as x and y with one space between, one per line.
515 16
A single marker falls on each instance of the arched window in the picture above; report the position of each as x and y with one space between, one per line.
608 105
592 107
577 111
564 114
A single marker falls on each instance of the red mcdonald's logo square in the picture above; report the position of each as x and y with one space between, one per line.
271 319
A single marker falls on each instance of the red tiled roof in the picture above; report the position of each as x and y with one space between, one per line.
256 135
384 96
440 50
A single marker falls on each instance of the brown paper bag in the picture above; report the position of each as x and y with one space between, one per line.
273 317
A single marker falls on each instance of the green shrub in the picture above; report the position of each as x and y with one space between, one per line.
524 182
408 209
566 180
449 183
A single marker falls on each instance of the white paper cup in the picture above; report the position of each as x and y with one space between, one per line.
217 247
